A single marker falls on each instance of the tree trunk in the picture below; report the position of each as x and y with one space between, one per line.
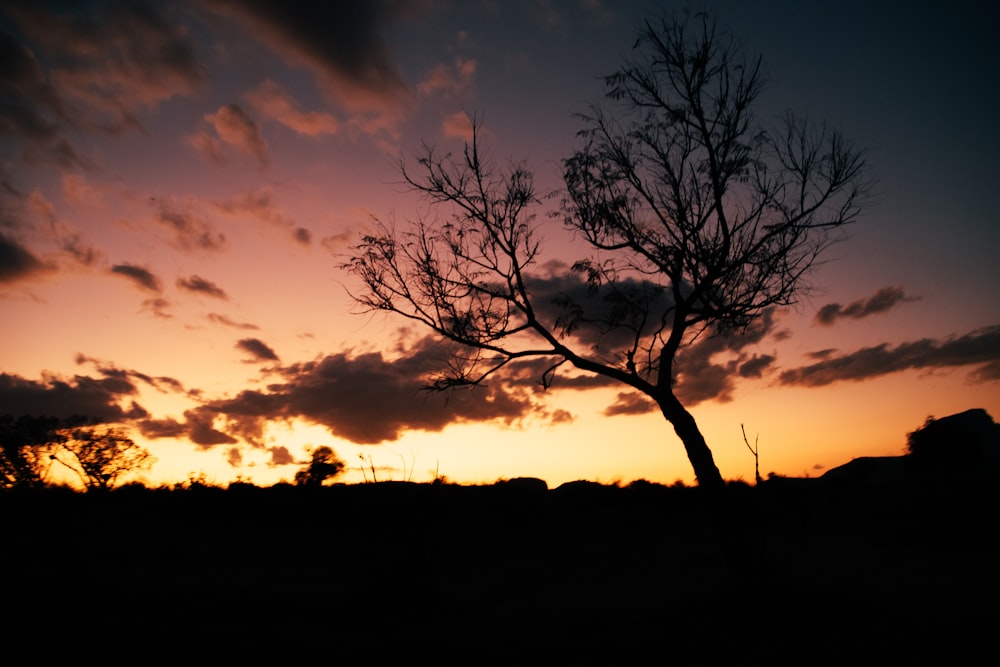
700 456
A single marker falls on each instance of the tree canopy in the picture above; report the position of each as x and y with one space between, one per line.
699 216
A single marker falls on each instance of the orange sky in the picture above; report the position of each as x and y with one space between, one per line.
181 182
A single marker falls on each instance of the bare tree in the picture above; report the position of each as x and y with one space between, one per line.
700 218
26 444
101 456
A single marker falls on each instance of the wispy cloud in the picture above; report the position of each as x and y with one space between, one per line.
259 203
341 44
257 349
234 128
458 125
199 285
229 322
882 301
272 101
139 275
189 232
977 348
454 81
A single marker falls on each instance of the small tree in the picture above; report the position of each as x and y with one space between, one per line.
699 216
101 456
26 444
323 465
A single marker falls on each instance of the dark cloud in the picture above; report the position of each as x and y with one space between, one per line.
980 347
755 367
162 428
604 319
201 429
280 456
222 319
107 399
234 457
190 232
158 306
302 235
139 275
630 403
880 302
340 42
201 286
90 64
708 368
364 398
16 261
161 383
257 349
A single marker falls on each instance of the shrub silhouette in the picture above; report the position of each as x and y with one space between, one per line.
324 465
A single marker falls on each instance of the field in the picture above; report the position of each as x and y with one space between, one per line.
794 572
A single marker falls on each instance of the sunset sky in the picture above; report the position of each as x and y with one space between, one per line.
182 180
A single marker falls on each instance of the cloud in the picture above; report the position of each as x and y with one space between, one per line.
340 43
16 261
158 306
162 428
234 457
980 347
452 82
235 128
226 321
458 125
882 301
755 366
209 147
700 373
107 399
259 203
630 403
280 456
80 192
199 285
90 64
363 398
201 429
108 370
190 232
140 276
30 108
272 101
257 349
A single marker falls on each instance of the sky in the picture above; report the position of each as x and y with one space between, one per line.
180 184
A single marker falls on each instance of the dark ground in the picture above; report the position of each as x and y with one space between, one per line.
794 572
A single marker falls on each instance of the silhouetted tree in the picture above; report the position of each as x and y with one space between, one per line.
700 218
323 465
956 443
101 456
26 444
